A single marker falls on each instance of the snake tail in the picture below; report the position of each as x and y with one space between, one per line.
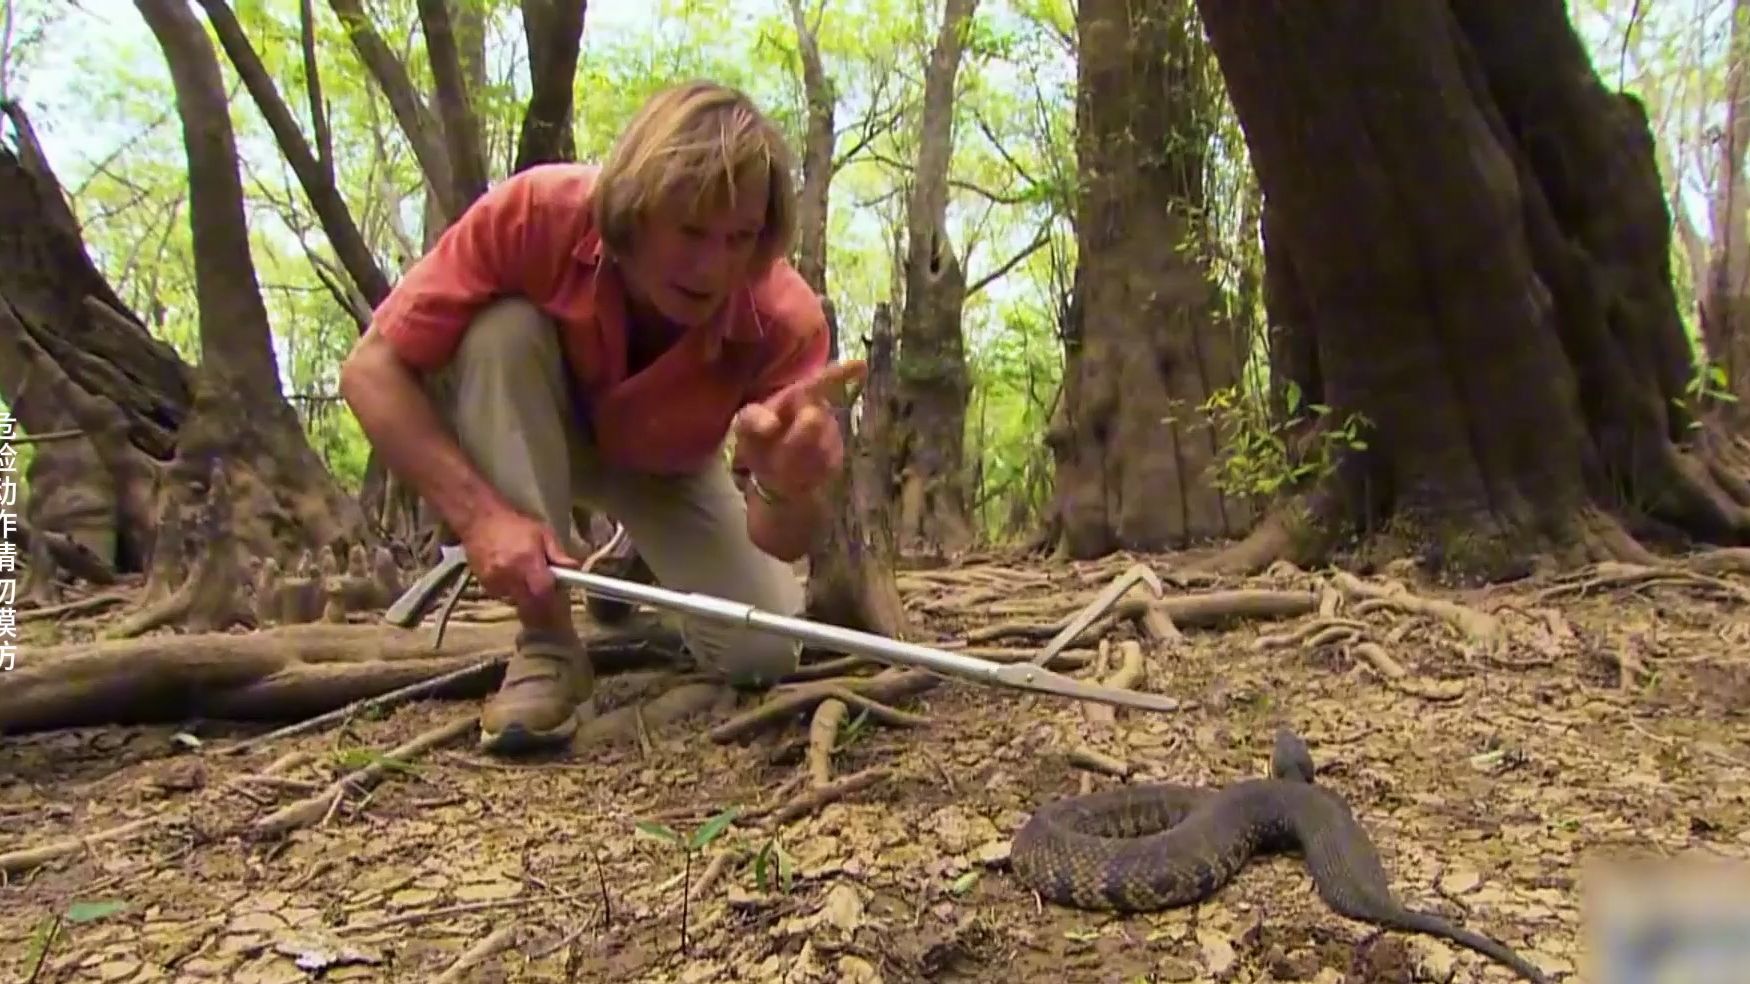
1433 925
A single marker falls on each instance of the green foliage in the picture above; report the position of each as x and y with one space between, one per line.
1259 455
99 93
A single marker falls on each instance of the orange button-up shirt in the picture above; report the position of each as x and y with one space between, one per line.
532 236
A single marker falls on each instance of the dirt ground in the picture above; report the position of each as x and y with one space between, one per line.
1595 721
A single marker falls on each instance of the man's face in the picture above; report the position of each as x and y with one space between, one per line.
685 265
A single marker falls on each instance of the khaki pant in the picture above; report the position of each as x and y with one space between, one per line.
515 415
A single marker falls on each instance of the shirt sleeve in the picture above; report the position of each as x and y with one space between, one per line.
480 257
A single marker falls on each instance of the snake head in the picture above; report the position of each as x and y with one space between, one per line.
1291 759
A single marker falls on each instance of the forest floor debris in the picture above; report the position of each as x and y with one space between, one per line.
1492 741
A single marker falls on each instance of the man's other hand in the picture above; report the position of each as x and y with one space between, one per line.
790 441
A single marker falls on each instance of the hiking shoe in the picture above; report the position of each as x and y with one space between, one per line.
537 704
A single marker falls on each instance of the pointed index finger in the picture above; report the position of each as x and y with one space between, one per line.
828 383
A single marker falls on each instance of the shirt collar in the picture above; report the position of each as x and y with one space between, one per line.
739 320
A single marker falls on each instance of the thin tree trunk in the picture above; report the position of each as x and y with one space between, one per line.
933 387
554 32
315 174
850 571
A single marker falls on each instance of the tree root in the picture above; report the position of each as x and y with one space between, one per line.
1639 577
314 809
815 797
289 672
637 719
823 735
208 599
1480 628
1198 610
886 687
381 700
1400 678
78 606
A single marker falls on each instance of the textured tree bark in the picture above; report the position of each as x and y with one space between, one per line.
1133 450
73 356
242 442
1470 229
455 112
315 174
929 429
554 31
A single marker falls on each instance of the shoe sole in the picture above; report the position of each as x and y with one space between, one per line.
519 738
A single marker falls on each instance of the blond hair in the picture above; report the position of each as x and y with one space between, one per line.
704 140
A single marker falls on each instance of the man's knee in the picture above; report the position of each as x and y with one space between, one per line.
747 658
751 658
511 331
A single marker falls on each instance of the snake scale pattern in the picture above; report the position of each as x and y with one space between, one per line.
1160 846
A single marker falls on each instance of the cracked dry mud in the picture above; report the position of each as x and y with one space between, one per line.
1485 806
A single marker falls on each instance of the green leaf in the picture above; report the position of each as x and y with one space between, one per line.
659 831
714 827
81 912
964 883
762 865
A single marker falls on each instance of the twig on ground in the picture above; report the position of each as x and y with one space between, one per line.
713 871
810 800
311 809
24 859
1086 757
497 940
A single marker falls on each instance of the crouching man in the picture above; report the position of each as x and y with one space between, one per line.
606 329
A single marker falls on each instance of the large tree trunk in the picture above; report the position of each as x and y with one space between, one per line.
244 477
930 431
73 356
1134 451
1471 230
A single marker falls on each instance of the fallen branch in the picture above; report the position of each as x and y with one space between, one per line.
308 811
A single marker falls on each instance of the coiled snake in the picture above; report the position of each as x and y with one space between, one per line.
1161 846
